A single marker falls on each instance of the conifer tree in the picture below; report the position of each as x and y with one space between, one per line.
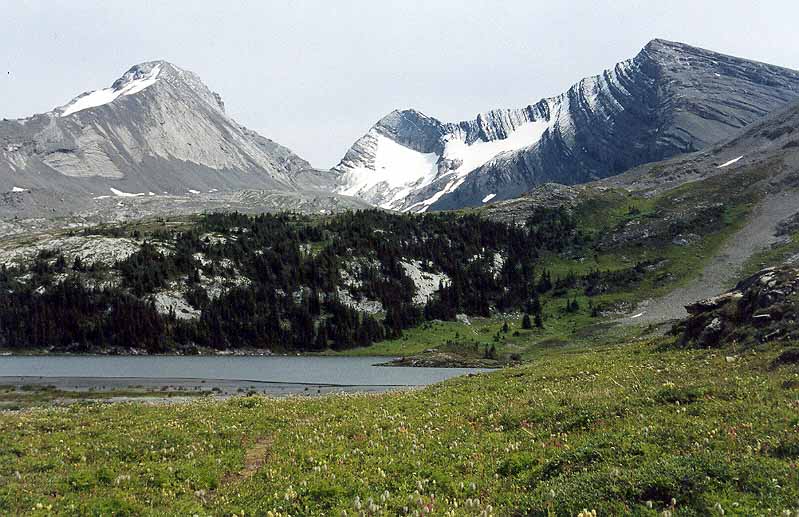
526 324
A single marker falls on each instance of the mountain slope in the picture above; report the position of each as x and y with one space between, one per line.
772 142
669 99
157 129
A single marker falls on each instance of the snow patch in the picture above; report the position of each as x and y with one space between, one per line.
108 95
479 153
119 193
727 164
489 198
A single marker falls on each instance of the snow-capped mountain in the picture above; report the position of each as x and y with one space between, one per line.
669 99
157 129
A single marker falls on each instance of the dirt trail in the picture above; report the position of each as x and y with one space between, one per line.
256 455
722 270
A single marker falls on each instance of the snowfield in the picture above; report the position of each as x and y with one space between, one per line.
396 171
108 95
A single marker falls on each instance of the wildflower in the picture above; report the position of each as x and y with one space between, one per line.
718 508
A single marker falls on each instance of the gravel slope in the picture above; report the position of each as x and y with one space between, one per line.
722 270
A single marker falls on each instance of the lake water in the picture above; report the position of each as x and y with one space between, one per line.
269 374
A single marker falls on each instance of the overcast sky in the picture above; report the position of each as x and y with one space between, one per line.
315 75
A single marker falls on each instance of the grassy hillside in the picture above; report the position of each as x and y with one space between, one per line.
636 427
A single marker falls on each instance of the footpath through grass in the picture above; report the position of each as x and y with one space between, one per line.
620 429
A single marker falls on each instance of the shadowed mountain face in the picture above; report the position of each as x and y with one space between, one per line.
158 129
669 99
771 143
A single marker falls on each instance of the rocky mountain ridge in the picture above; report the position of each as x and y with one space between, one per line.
669 99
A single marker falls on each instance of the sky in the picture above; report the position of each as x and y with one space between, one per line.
316 75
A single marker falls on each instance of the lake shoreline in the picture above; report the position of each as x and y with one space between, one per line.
22 377
166 387
23 393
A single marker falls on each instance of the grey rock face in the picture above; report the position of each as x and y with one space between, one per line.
157 129
669 99
770 144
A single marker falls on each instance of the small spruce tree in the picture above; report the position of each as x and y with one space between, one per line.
526 324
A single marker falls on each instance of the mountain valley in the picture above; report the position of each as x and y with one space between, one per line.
623 256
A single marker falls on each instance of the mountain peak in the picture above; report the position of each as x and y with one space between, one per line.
157 128
147 68
406 126
660 42
137 79
397 115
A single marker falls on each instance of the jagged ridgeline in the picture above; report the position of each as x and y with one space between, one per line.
669 99
293 282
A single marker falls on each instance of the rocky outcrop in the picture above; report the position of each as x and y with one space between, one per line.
761 308
548 195
669 99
